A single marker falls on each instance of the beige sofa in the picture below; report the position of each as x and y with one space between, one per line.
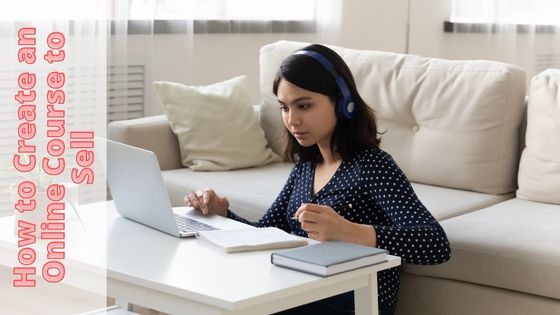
456 128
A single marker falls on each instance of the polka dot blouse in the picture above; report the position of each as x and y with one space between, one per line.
380 195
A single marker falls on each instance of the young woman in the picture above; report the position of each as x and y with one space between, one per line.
342 186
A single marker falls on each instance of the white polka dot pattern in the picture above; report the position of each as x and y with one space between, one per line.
380 195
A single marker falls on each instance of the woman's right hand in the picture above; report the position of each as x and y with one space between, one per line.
207 201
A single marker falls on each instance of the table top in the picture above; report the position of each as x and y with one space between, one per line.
189 268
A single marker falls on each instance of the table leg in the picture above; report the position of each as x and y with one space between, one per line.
124 304
365 299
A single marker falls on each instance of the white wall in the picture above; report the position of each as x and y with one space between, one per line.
374 24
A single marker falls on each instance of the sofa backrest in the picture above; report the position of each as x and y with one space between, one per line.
539 168
447 123
151 133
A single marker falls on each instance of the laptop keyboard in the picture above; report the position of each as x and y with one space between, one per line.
188 224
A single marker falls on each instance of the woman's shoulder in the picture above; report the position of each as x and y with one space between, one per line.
374 157
372 154
377 161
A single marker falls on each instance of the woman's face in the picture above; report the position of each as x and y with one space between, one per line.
309 116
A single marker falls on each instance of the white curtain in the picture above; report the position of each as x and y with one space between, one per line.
527 32
200 42
110 62
84 26
79 30
112 59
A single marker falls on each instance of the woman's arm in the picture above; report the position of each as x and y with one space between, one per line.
323 223
276 214
414 234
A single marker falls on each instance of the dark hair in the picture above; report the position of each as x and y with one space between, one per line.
350 135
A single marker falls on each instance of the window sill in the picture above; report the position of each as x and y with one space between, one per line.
452 27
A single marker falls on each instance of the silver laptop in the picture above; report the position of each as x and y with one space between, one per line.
139 192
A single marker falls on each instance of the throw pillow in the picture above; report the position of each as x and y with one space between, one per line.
216 125
539 168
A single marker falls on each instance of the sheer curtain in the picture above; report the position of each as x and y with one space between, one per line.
205 41
65 49
114 49
526 31
84 28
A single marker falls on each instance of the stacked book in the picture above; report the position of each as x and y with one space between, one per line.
329 258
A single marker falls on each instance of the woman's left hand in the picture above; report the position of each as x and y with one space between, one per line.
322 223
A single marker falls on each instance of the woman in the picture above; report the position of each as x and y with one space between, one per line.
342 186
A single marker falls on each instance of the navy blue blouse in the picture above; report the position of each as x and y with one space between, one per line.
380 195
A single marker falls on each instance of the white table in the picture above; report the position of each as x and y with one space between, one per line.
187 276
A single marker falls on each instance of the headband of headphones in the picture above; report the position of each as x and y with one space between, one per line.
345 105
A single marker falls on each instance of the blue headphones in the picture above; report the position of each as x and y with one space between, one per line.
345 105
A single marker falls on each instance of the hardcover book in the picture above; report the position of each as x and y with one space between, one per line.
328 258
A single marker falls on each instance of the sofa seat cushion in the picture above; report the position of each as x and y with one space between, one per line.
250 191
445 203
262 185
512 245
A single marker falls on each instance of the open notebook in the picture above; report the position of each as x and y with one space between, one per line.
249 239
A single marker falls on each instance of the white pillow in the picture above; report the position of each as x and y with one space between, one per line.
216 125
539 168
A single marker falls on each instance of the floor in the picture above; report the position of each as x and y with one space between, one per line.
44 298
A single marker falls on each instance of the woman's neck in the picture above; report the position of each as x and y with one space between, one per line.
329 157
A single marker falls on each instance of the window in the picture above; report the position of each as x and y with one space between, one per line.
39 10
227 16
270 10
525 12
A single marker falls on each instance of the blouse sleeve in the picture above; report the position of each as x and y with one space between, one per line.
276 214
414 234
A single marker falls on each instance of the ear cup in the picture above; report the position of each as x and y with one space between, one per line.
345 104
346 108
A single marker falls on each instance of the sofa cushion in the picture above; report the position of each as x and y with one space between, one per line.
210 139
445 203
448 123
419 295
151 133
262 185
250 191
539 169
512 245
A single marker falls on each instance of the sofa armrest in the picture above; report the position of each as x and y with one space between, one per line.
151 133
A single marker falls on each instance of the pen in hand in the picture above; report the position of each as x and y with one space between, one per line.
296 217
